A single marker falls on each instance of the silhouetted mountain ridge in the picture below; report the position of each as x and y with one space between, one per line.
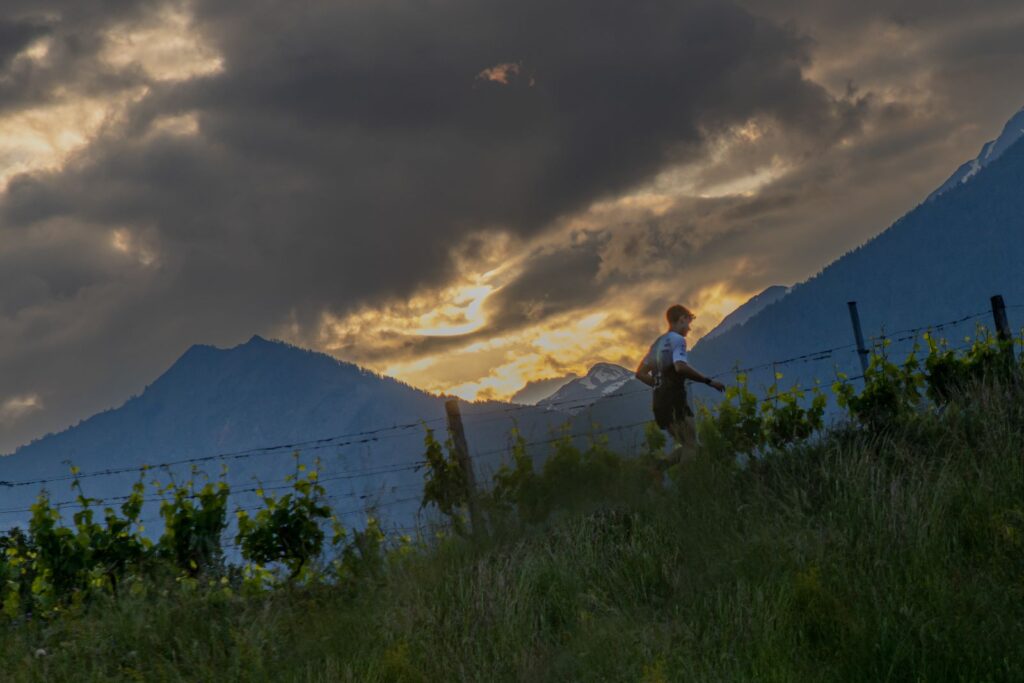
262 394
241 397
941 261
257 394
748 310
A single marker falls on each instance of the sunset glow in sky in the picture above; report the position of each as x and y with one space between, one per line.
467 195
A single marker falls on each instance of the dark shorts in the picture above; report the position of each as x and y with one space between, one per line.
670 408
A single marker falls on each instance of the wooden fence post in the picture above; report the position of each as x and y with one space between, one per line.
775 382
458 435
1003 329
858 336
999 316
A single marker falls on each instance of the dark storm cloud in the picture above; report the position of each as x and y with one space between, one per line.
962 55
71 66
551 284
361 136
909 13
371 118
15 36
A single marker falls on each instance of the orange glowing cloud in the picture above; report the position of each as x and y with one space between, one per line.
497 366
396 338
500 73
503 74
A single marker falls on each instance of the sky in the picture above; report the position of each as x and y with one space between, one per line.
464 194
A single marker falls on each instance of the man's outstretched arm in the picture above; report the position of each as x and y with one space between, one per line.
688 372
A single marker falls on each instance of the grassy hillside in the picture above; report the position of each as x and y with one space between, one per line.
866 555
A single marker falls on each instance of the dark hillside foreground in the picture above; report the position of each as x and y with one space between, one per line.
877 551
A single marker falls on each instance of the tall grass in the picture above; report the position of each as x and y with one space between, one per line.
891 556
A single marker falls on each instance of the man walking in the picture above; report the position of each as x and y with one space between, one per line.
665 368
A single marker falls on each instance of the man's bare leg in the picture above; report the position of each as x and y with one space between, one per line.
684 432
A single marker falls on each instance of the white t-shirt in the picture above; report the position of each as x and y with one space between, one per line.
669 348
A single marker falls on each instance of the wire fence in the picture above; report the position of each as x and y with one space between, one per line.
413 463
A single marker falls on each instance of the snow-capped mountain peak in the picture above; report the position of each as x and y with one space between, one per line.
990 151
603 376
603 379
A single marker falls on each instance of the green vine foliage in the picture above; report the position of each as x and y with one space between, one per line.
288 529
785 419
517 489
445 483
363 562
744 424
16 572
570 478
734 427
57 564
891 393
117 544
193 524
53 565
894 393
950 374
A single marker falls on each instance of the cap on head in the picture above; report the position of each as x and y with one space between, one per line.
674 313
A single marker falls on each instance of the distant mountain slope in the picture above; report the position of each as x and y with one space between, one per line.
539 389
214 401
262 393
941 261
749 310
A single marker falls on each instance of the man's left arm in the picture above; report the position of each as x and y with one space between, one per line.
690 373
